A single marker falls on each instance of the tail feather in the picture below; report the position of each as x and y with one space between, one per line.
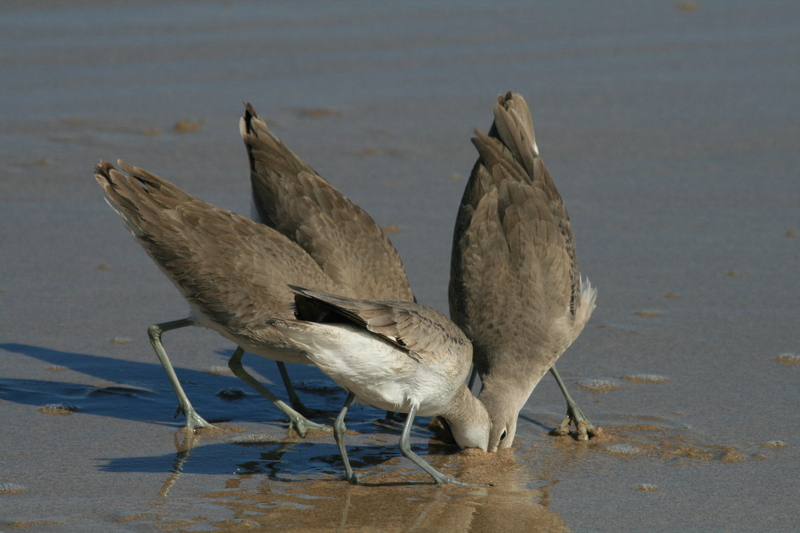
157 187
510 148
136 196
265 150
512 119
342 238
115 186
510 152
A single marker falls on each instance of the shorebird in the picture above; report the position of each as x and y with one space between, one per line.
515 287
233 271
347 244
397 356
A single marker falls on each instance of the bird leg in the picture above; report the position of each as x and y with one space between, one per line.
293 398
338 434
575 416
193 420
298 421
405 449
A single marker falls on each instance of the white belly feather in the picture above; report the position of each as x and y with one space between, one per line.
377 372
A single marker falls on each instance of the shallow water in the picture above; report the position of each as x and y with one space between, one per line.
671 130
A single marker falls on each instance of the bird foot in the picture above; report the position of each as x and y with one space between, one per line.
584 429
193 420
302 425
446 480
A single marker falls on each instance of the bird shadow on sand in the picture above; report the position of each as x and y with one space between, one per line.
529 419
135 391
277 459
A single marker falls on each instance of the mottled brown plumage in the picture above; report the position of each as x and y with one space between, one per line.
515 286
342 238
233 271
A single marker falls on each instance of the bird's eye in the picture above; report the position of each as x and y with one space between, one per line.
503 434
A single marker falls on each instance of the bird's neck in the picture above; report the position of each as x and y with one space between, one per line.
514 372
506 396
468 419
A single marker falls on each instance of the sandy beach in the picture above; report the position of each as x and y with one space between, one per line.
671 129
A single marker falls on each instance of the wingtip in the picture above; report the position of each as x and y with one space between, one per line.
510 99
103 169
504 99
512 113
246 122
127 168
297 289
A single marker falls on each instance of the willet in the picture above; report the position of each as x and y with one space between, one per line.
349 246
233 272
515 288
398 356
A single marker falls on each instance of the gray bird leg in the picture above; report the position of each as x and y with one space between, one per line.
298 421
574 414
293 398
193 420
338 434
405 449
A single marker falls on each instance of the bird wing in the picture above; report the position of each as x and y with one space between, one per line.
230 268
514 128
513 274
341 237
419 330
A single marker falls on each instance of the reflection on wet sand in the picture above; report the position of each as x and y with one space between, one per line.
334 506
391 498
285 482
391 506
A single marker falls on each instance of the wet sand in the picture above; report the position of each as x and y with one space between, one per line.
671 130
